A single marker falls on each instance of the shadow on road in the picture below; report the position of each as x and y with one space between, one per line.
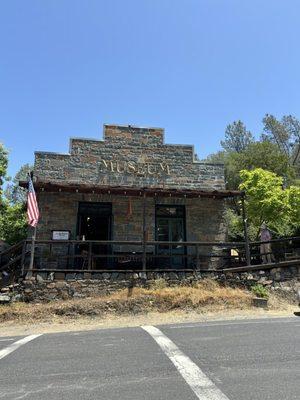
297 313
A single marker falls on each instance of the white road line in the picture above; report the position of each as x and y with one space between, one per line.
201 385
212 324
14 346
6 340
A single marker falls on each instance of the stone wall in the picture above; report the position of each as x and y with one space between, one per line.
129 156
135 157
44 290
204 217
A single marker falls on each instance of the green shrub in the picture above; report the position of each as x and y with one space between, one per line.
13 224
260 291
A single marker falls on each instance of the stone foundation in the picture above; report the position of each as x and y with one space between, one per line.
37 289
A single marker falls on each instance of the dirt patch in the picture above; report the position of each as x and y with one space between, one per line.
136 306
203 295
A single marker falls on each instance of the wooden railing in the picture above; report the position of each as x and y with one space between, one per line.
13 262
111 255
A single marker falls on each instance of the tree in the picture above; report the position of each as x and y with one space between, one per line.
216 158
235 228
285 133
3 163
13 193
292 125
294 202
265 155
267 201
242 152
237 138
13 224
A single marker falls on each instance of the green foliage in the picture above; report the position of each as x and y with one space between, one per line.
268 170
293 199
14 193
13 225
216 158
265 155
266 201
260 291
235 228
278 150
237 138
234 225
3 163
285 133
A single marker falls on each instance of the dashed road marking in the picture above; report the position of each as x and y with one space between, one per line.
14 346
200 384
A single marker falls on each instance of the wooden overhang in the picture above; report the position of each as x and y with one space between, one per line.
70 187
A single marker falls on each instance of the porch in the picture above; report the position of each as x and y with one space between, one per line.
152 236
60 260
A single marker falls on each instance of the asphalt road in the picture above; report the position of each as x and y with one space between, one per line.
235 360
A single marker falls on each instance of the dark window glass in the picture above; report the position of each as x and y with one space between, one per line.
169 211
95 209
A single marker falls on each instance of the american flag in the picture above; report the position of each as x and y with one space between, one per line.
32 206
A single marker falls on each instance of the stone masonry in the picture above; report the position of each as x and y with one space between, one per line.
204 219
129 157
41 289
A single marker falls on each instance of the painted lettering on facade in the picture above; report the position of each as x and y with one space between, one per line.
131 167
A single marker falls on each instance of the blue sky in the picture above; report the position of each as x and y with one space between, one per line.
191 67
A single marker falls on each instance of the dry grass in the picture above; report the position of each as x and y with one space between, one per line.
206 296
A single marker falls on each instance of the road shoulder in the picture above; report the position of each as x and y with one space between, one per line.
155 318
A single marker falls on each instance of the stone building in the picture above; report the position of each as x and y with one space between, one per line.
130 186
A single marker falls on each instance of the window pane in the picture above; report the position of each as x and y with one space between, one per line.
170 211
162 230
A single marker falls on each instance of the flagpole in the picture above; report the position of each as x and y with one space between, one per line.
32 251
33 217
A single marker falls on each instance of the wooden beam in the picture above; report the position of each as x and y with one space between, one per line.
280 264
131 191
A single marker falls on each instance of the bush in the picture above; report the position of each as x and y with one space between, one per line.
260 291
13 225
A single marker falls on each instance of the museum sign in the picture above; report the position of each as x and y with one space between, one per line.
135 168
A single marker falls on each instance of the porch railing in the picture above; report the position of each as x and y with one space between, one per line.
13 262
141 256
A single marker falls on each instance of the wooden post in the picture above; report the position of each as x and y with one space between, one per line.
90 256
23 258
144 235
247 247
68 254
32 251
197 257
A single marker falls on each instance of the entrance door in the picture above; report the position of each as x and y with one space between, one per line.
94 223
170 227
